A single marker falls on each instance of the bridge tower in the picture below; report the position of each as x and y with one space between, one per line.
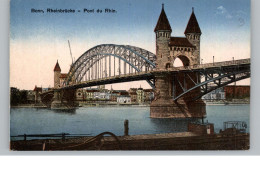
167 85
62 99
57 74
56 103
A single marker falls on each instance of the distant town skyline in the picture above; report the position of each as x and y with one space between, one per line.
38 40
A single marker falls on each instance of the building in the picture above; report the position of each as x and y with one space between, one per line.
140 95
37 91
237 92
63 78
133 94
148 95
113 97
89 93
31 96
80 95
218 94
123 99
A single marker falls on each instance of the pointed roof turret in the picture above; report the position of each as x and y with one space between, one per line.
193 25
163 23
57 67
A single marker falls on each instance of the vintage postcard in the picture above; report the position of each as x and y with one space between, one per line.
129 75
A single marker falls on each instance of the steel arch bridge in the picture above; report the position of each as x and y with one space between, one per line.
110 63
107 60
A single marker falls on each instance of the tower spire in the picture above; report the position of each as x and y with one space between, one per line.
193 25
57 67
163 23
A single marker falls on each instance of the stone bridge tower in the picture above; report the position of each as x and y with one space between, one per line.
168 48
62 99
57 73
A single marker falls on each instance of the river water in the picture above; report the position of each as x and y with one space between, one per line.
95 120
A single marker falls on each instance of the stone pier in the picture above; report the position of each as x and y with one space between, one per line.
163 106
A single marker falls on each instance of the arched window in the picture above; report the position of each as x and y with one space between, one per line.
168 65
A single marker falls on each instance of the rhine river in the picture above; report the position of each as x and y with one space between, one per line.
95 120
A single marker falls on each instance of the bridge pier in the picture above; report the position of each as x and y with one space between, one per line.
63 100
57 103
163 106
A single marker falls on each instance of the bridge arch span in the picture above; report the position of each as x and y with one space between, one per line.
107 60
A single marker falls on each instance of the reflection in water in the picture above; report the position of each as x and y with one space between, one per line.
65 111
172 125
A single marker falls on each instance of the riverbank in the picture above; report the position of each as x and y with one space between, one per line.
29 106
164 141
228 102
133 104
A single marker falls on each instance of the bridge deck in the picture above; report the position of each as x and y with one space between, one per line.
144 75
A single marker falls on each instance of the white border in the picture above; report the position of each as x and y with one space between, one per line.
254 111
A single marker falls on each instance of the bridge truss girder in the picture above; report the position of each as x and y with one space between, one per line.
210 79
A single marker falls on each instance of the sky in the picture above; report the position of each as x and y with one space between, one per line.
38 40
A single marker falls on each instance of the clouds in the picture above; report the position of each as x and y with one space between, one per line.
223 11
238 16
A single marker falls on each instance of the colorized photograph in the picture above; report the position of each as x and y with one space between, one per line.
90 75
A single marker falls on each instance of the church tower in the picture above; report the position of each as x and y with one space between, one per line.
163 33
57 71
193 33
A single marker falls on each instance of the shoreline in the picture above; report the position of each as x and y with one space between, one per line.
130 105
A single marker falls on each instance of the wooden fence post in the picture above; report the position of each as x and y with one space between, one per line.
126 128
